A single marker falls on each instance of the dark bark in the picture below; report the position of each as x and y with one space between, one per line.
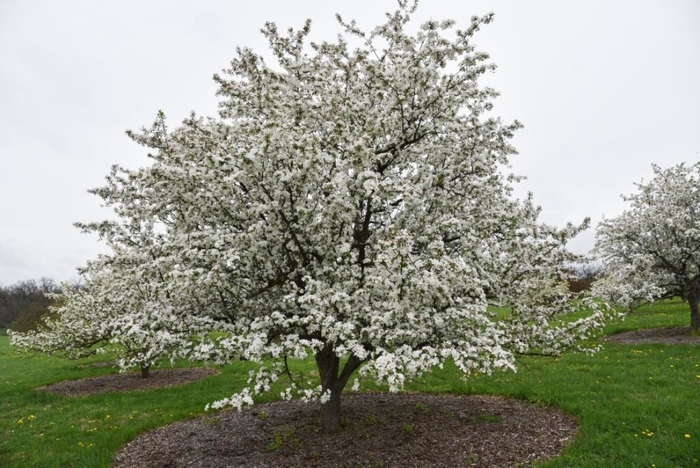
145 371
333 380
330 412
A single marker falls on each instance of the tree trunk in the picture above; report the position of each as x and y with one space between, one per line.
330 412
332 381
145 371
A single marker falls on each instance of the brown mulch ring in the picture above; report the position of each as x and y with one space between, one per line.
159 378
380 430
669 336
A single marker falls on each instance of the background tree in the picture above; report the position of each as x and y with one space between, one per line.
351 204
584 275
31 316
5 317
15 301
652 250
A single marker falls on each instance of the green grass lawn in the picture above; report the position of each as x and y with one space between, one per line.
637 406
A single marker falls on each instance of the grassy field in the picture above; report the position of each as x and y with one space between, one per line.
637 406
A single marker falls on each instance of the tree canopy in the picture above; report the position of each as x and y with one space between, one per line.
347 203
652 250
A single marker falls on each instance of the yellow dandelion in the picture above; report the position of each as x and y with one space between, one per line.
687 436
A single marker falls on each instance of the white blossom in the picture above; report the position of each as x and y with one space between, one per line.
652 250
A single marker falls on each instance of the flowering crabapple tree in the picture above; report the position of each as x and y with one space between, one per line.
351 204
118 311
652 250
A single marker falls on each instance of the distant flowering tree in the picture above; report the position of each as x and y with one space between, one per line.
652 250
347 204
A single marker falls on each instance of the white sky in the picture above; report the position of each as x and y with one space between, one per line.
604 89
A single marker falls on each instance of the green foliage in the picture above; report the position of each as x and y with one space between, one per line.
31 316
15 299
636 405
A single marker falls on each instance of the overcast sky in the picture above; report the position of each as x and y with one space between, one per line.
604 89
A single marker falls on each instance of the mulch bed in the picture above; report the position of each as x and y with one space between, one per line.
668 336
159 378
381 430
